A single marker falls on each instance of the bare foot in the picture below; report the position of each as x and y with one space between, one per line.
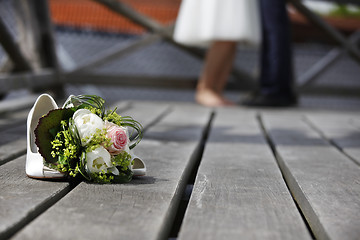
209 98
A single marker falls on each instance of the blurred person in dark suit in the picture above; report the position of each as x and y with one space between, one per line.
276 84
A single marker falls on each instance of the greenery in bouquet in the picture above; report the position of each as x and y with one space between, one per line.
83 139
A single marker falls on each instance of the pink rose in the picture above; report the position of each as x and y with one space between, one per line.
118 136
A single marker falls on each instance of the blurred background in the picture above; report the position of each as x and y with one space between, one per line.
99 51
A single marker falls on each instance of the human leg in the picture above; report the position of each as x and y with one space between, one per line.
216 70
277 66
276 78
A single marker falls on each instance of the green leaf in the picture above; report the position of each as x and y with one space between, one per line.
54 131
123 177
47 126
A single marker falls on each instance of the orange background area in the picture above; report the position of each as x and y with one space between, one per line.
90 14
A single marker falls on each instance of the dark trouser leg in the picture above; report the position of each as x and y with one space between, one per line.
276 53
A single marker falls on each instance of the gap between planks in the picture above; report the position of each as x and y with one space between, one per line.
277 156
15 149
330 141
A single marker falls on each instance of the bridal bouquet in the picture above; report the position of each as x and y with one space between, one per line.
83 139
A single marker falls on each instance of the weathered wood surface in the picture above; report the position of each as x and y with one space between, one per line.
17 104
324 181
148 203
340 131
309 188
8 120
22 198
12 128
239 192
12 144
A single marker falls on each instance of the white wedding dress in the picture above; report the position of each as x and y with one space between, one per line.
200 22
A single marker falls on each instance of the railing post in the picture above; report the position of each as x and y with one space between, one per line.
19 61
331 31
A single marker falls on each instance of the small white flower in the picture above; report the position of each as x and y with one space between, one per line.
100 159
87 123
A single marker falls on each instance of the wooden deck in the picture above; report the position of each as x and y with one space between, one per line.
231 173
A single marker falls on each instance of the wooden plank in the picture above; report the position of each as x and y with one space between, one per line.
13 130
22 198
17 188
324 182
142 209
148 113
12 143
13 119
355 122
38 80
12 150
17 104
338 129
239 192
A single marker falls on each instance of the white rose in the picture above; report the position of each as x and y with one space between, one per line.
87 123
100 159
